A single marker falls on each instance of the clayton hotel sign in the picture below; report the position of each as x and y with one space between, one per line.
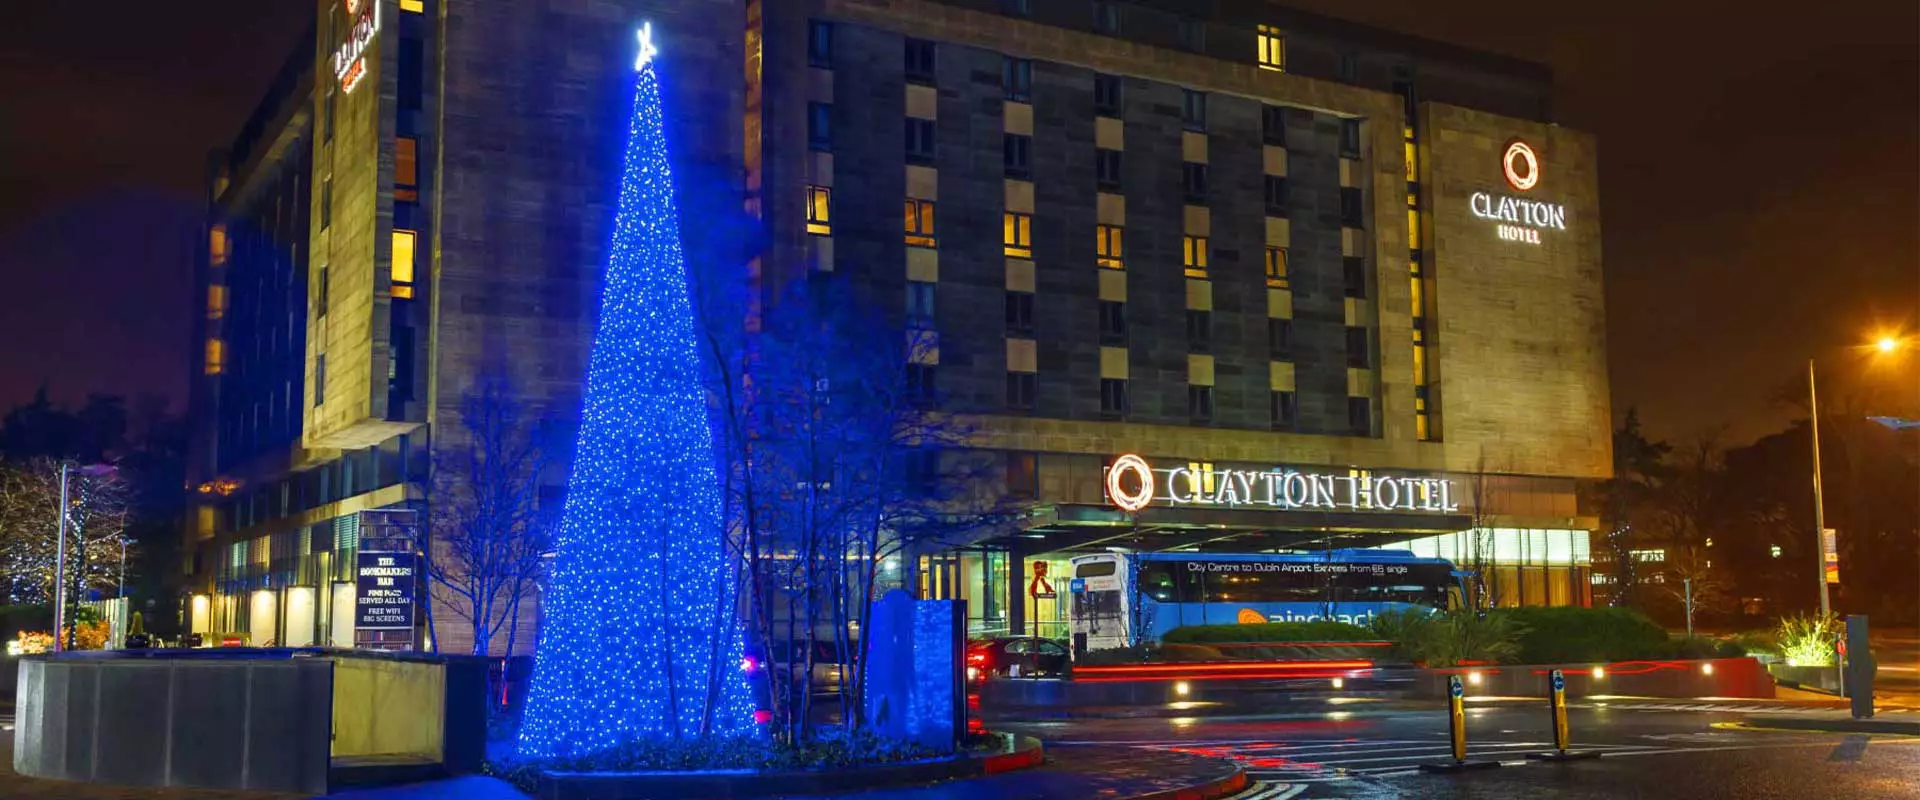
1518 218
1133 484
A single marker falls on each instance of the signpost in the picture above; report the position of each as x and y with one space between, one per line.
1557 703
1457 731
386 580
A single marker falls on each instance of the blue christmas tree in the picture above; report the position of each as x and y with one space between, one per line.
638 623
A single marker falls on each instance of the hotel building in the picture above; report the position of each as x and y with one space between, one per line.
1331 286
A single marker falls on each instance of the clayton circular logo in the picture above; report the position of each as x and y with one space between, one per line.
1521 166
1141 494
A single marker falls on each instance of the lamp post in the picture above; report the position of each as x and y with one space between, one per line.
1885 345
63 635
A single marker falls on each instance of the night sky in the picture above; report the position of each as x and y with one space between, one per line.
1760 185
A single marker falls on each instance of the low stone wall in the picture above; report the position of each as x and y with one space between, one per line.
261 719
1717 677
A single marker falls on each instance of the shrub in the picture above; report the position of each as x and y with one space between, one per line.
1315 631
1570 634
1755 642
1807 640
1443 640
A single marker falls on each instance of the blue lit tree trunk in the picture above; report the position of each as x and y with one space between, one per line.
634 634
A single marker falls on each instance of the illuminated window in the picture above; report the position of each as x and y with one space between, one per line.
217 245
1413 160
415 6
1193 254
1413 229
1273 49
1107 248
1277 267
1648 555
919 221
216 356
1773 550
406 168
819 217
1017 234
403 259
216 301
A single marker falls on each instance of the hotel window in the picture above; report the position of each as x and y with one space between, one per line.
1284 410
415 6
1017 149
1020 314
1017 8
320 295
1106 170
1106 18
920 305
1352 210
819 211
1113 397
1107 246
326 115
1354 270
919 141
403 258
1360 416
326 202
819 127
1358 356
1016 76
1277 267
319 380
1280 338
406 168
1193 255
1200 403
819 44
1020 390
1349 66
1023 475
919 61
1113 323
1193 110
1273 48
216 358
1017 235
1350 138
1193 182
920 384
408 83
1273 125
1193 34
1276 196
919 222
1199 331
216 301
1106 95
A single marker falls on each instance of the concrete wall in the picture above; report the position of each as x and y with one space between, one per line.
387 708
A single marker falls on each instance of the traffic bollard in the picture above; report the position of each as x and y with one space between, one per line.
1557 704
1457 730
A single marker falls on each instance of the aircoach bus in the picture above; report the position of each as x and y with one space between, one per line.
1127 599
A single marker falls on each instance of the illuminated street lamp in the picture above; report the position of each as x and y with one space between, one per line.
1885 344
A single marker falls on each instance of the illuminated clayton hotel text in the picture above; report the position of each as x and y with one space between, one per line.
1132 484
1521 220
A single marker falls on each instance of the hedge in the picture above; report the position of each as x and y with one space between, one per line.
1316 631
1571 634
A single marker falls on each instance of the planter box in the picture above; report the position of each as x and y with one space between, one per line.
1826 679
1717 677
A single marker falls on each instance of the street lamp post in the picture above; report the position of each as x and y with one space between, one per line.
60 570
1819 505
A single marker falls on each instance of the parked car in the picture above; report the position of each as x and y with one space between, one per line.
788 664
1016 657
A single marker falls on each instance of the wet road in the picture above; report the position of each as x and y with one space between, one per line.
1650 749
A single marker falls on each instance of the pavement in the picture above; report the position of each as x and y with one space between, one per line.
1367 749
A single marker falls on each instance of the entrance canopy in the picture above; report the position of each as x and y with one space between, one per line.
1088 528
